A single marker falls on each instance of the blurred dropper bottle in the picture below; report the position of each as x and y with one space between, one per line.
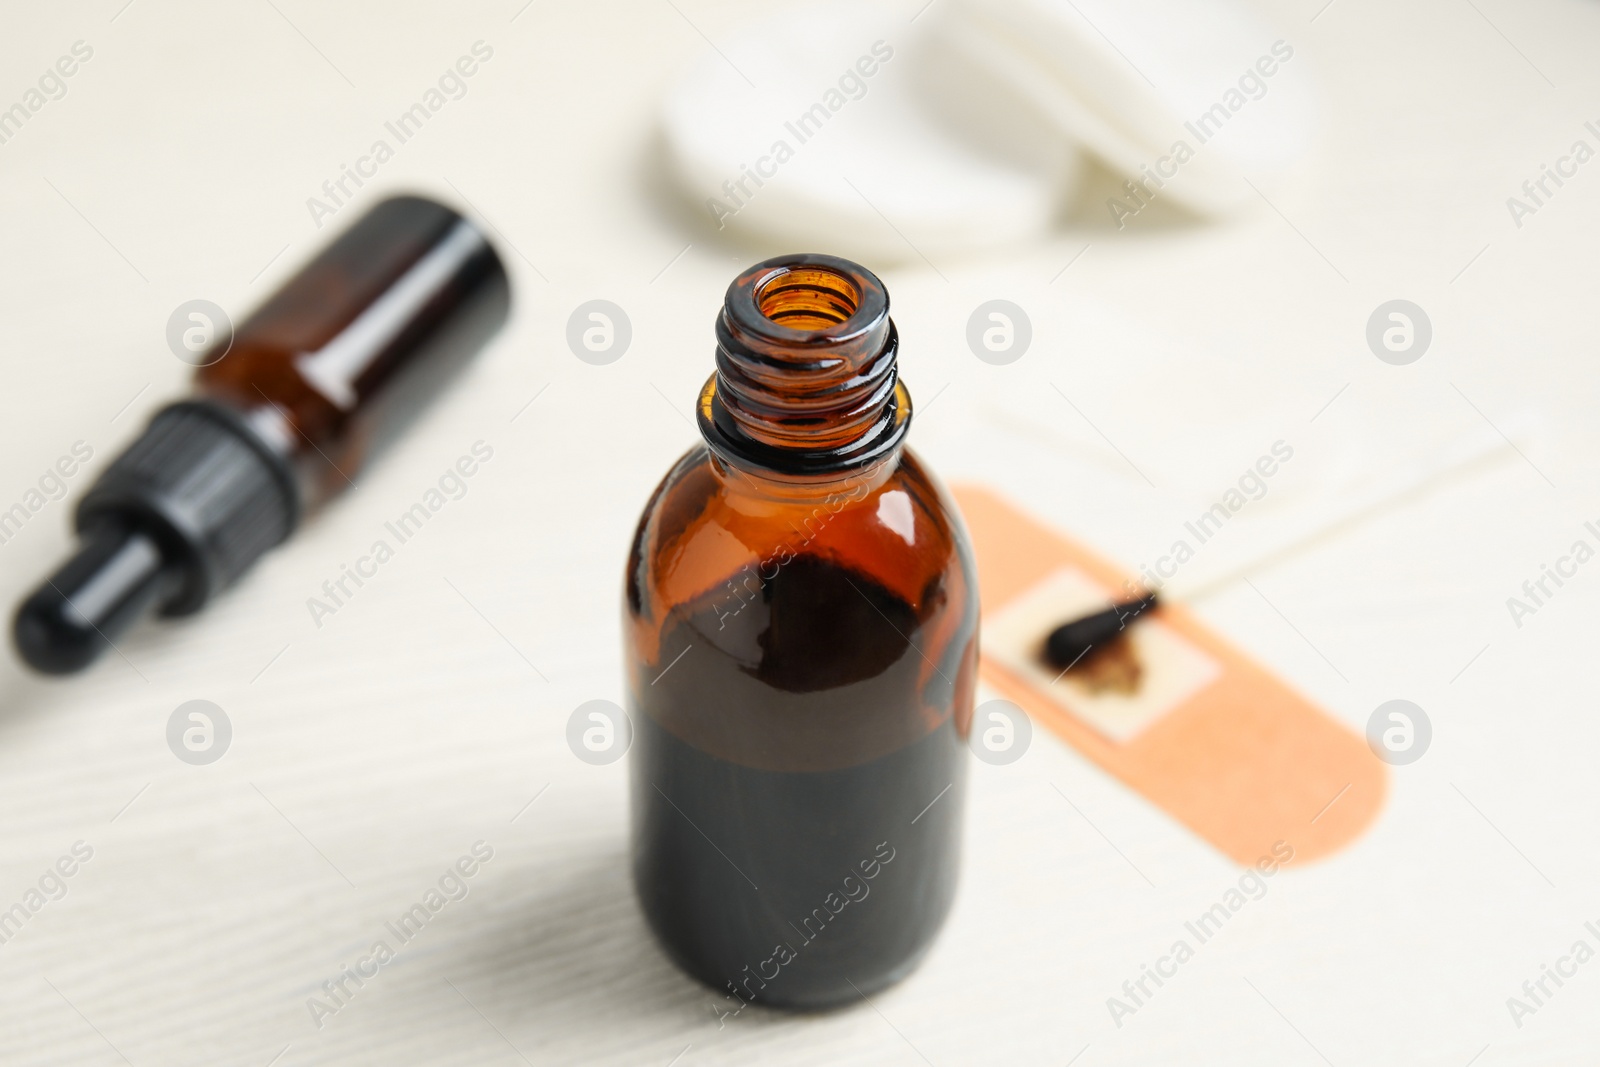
335 363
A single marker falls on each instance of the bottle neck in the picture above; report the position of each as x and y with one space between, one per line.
806 387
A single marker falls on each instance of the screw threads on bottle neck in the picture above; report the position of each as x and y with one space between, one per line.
806 378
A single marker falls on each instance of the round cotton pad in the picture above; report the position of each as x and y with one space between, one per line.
809 128
1197 102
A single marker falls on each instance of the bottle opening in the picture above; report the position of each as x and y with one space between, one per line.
806 379
808 298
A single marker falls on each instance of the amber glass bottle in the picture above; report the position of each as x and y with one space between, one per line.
285 411
801 627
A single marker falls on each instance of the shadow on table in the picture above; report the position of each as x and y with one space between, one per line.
571 970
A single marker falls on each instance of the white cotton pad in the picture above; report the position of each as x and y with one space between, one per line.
834 147
1131 80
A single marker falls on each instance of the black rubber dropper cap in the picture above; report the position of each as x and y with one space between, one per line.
191 503
116 577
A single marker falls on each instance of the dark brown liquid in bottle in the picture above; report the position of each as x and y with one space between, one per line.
801 672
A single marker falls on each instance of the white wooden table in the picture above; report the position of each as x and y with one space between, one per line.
371 753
